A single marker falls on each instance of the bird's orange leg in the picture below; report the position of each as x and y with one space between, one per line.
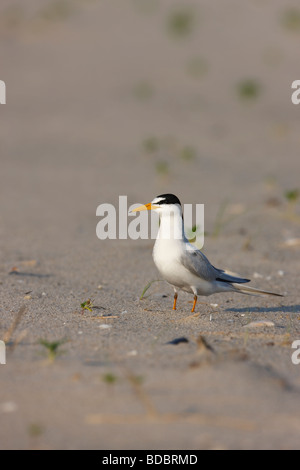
194 304
175 300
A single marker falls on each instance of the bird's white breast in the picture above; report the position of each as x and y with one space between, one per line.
167 255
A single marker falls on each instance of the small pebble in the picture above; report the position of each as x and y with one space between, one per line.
132 353
8 407
257 276
260 324
104 326
292 242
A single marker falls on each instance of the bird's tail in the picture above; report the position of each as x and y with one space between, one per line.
252 290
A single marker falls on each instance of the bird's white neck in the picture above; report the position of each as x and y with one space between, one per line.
171 225
170 243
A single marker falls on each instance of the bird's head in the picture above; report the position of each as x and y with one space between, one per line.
165 204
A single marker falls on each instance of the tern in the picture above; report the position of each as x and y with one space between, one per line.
184 266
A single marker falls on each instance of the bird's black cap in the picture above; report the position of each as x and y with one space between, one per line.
168 199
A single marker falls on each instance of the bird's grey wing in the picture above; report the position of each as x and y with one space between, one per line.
197 263
227 277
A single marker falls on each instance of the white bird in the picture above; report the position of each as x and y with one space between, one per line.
184 266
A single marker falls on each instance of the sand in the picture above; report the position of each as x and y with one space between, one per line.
104 99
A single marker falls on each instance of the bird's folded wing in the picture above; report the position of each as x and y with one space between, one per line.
225 276
197 263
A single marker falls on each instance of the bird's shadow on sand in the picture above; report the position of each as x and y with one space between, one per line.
280 309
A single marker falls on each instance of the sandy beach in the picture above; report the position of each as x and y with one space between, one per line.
139 98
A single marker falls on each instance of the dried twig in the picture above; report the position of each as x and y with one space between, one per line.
14 324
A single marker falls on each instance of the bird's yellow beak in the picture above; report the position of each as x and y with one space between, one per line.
145 207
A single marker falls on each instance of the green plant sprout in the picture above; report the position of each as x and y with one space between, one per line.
151 145
147 287
291 20
181 22
188 153
87 305
292 196
249 89
52 348
109 378
35 430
